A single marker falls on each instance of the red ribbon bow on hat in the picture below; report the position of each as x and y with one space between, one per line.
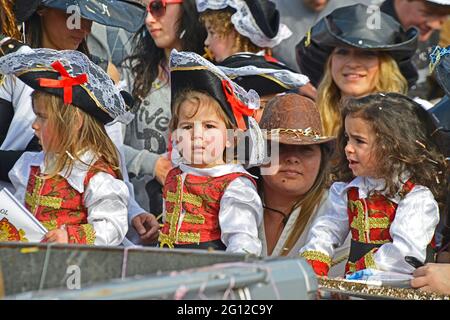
237 106
66 81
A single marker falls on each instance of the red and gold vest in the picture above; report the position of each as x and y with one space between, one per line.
368 231
54 202
370 220
199 199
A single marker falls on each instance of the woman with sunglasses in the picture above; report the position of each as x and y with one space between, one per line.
170 24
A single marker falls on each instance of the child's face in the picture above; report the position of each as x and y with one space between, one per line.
41 125
360 147
221 47
201 138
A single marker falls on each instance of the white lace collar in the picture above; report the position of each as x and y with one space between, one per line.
216 171
366 185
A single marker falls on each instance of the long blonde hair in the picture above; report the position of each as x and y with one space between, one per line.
69 142
390 79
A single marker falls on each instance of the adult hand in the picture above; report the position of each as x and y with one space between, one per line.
147 227
57 235
162 168
433 277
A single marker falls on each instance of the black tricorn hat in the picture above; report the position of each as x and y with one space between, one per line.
258 20
352 26
265 75
126 14
266 16
71 76
189 71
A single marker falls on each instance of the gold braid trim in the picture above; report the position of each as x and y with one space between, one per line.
50 224
379 223
317 256
369 260
188 237
89 231
351 267
165 240
192 199
189 218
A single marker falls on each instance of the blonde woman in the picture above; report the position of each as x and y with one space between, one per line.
346 56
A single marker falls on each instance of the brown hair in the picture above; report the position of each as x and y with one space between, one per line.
8 20
403 142
220 20
68 142
390 79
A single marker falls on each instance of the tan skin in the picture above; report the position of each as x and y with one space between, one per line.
298 169
433 277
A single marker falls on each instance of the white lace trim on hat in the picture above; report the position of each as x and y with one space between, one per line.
245 23
288 78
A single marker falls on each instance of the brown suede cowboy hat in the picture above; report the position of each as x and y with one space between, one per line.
293 119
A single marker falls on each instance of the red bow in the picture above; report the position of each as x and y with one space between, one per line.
66 81
237 106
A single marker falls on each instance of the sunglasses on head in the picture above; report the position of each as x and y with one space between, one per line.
157 8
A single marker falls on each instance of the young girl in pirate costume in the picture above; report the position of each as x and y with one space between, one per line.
73 187
240 26
391 173
210 202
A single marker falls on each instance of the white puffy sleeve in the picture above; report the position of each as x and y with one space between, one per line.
106 200
412 230
20 173
330 227
240 216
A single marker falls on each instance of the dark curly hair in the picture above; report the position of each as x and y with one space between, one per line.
146 57
403 142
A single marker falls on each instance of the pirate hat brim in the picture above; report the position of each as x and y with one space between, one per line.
128 15
348 27
82 98
71 76
265 76
201 80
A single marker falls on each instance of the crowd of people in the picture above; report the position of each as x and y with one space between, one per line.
273 128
